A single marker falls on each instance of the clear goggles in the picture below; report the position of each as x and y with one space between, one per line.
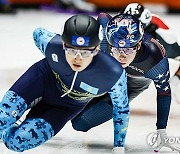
126 51
83 53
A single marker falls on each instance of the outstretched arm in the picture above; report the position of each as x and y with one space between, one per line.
120 102
160 75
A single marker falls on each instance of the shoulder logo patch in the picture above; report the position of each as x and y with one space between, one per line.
54 57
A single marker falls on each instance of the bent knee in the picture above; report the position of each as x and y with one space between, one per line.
80 124
5 120
30 134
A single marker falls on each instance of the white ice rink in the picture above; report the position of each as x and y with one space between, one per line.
18 52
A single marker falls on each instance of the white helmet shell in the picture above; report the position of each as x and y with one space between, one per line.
143 14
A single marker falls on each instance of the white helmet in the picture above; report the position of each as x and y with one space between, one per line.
136 9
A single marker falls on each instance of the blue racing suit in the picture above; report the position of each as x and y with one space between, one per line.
55 94
150 64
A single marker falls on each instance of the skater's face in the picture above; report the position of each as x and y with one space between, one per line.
124 55
79 59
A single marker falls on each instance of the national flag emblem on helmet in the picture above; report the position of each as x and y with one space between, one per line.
124 31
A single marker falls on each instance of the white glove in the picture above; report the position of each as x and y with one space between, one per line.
175 88
118 150
162 141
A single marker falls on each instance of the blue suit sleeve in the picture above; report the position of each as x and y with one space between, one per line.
41 38
103 19
160 75
121 113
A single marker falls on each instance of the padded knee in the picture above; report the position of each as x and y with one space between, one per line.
11 109
30 134
97 112
81 124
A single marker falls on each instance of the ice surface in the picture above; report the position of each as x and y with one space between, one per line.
18 52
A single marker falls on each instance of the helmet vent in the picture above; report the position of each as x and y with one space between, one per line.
81 25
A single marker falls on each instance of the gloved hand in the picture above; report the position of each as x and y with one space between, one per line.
162 141
175 88
118 150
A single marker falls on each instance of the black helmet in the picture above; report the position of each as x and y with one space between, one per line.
82 31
